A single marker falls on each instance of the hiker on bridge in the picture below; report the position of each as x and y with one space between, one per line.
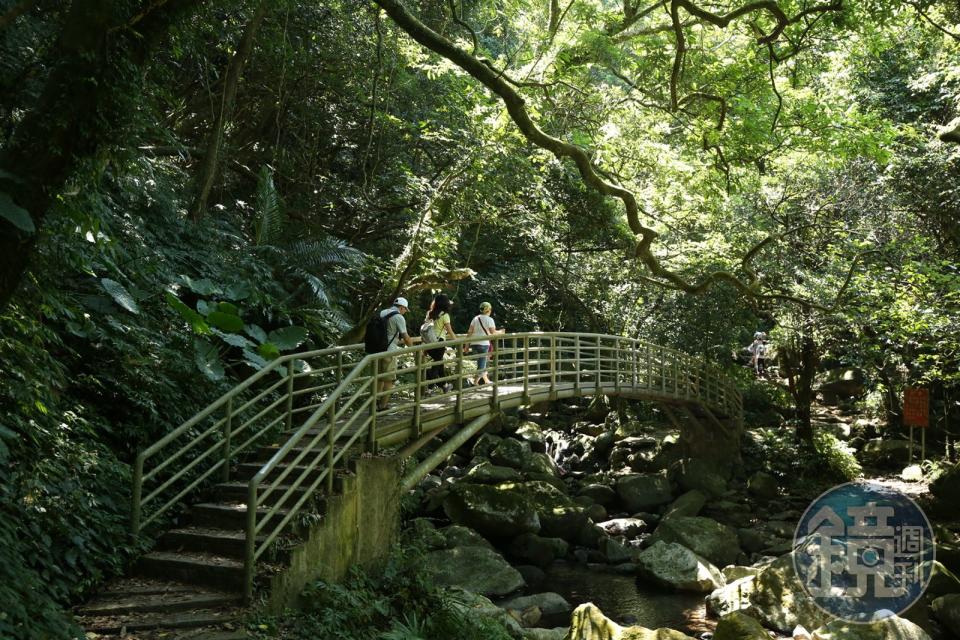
436 328
396 330
482 323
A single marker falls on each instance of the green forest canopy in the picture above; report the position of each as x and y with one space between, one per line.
171 168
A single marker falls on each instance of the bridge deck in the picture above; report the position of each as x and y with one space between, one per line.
397 425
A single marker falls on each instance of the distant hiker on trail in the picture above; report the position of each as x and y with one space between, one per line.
758 354
385 333
436 328
482 323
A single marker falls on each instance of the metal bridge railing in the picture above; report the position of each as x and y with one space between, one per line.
200 450
334 409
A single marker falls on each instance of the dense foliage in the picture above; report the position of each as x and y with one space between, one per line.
394 602
801 162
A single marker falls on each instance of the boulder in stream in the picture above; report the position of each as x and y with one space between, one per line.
947 611
946 487
639 492
589 623
535 633
674 566
458 536
476 569
739 626
489 473
484 445
763 486
694 473
687 505
540 463
716 542
887 629
532 549
511 453
549 603
499 511
627 527
599 493
779 600
531 433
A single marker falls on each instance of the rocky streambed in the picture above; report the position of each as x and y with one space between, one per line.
572 522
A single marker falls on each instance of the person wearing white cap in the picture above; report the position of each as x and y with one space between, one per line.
396 333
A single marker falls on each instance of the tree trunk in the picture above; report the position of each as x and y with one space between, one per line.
96 68
798 360
891 402
211 160
803 396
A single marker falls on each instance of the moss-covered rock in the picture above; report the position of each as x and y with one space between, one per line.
475 569
674 566
888 629
589 623
716 542
640 492
532 549
499 511
947 610
739 626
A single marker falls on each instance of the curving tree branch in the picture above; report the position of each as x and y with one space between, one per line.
710 97
936 25
516 107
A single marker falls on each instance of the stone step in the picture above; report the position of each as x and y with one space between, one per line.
204 569
224 515
135 622
237 492
266 453
247 470
143 587
224 542
121 604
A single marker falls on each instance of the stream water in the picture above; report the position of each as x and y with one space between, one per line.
628 601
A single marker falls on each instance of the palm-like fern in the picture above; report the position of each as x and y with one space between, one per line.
410 628
310 260
269 223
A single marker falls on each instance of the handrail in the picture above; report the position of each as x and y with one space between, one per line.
339 389
361 382
222 431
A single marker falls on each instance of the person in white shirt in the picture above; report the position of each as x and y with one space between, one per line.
482 324
396 333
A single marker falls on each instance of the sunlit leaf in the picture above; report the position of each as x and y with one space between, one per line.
207 357
288 338
15 215
120 295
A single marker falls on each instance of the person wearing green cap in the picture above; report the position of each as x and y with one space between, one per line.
482 324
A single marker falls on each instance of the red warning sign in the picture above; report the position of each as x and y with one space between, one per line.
916 407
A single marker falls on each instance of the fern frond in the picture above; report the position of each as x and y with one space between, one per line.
322 252
318 286
270 219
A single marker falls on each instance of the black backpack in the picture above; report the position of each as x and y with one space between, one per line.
376 340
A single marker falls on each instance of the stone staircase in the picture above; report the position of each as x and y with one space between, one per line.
190 586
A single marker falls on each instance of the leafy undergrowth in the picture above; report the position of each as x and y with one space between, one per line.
139 324
397 601
807 469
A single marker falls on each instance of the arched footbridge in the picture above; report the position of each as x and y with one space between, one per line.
271 445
